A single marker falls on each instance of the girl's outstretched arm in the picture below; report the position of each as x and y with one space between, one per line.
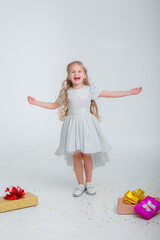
114 94
48 105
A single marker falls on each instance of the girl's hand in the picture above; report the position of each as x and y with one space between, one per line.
135 91
32 100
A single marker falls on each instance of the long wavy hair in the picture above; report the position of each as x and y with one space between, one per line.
63 95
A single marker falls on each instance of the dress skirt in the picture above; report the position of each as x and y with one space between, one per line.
81 132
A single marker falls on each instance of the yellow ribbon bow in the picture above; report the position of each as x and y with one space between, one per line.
133 197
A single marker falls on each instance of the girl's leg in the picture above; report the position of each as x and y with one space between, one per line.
88 165
78 167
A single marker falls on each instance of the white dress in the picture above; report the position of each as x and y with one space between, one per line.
81 130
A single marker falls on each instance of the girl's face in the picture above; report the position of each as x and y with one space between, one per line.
76 75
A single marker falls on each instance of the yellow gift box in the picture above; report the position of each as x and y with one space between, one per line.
27 201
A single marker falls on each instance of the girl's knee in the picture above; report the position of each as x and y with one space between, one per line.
77 156
86 155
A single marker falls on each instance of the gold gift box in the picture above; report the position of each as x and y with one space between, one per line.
27 201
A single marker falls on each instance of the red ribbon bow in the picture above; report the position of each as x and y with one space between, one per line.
14 193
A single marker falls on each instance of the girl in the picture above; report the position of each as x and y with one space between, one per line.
81 136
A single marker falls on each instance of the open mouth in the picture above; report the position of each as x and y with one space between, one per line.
77 78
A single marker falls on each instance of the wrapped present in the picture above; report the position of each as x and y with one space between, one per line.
16 198
125 208
147 208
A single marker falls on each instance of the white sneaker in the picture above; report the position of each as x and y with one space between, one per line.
79 189
90 188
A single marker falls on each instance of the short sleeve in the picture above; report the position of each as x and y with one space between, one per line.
58 99
95 91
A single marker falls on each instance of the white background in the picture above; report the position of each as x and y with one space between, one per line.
118 42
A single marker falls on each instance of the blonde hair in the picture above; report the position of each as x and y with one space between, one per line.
63 95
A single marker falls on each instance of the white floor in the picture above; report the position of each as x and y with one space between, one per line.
61 215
